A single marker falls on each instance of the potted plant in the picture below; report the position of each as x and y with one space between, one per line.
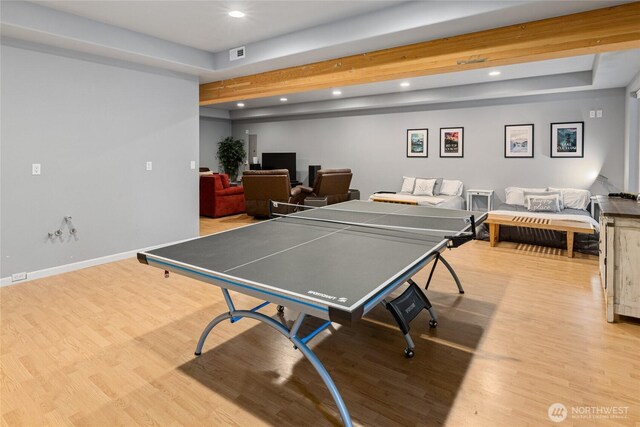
231 154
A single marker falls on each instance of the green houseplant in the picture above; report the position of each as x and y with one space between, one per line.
231 154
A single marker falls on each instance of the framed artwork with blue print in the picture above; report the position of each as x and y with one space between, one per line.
417 142
518 141
567 139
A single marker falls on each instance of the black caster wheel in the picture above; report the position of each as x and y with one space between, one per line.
280 309
462 292
433 323
197 354
408 353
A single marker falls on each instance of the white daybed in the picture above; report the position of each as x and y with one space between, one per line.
572 205
433 192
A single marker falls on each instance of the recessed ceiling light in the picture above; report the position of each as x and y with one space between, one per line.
337 92
283 99
495 73
405 84
236 14
240 104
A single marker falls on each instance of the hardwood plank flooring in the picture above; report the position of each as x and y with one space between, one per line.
113 345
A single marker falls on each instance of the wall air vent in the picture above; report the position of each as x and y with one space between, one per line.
237 53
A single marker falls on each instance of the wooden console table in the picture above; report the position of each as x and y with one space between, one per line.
620 255
570 227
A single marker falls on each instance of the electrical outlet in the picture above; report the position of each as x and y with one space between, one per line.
18 276
193 164
592 114
599 114
36 169
149 166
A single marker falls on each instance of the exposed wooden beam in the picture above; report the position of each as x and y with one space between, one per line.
596 31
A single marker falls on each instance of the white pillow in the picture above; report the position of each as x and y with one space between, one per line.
538 203
424 187
408 183
543 193
515 195
451 187
574 198
436 187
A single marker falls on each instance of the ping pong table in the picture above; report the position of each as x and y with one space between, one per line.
334 263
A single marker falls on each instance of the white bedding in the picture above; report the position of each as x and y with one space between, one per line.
563 217
440 201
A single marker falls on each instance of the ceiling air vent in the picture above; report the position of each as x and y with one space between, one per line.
237 53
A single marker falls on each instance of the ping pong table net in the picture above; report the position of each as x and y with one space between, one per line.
456 229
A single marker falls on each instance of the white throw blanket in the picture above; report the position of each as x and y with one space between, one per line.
562 217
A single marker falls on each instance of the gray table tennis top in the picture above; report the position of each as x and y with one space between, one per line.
332 270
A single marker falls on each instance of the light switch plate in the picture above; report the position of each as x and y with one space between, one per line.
599 114
149 166
592 114
36 169
193 164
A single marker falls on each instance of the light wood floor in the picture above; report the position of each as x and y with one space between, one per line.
113 345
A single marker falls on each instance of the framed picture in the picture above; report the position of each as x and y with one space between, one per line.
417 142
567 139
451 142
518 141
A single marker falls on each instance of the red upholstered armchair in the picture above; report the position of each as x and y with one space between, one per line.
218 198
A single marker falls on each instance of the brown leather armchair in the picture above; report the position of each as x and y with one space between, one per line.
260 186
332 184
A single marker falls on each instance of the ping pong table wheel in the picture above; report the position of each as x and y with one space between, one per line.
280 309
433 323
166 274
408 353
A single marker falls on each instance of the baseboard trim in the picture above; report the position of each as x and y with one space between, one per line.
52 271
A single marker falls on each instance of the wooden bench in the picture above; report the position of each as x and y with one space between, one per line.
382 198
570 227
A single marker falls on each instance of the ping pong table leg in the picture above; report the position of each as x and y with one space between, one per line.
433 268
297 342
439 257
322 371
453 273
409 352
210 326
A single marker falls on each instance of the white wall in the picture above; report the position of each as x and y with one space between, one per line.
632 137
92 127
212 130
374 147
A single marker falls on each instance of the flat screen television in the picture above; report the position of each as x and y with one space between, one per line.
280 161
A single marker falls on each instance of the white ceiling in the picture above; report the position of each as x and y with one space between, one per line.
192 37
206 25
